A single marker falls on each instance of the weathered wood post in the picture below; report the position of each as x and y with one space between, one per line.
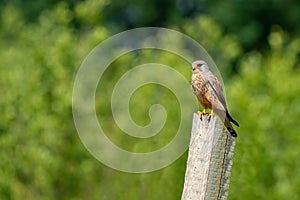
209 161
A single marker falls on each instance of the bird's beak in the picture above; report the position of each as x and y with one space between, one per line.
194 67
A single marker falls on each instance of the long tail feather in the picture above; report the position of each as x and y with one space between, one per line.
229 127
231 119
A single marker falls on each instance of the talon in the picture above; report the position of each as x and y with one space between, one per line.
210 115
202 113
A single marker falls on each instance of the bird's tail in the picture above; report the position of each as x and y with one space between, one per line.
227 122
229 126
231 119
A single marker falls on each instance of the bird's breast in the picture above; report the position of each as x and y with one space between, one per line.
200 90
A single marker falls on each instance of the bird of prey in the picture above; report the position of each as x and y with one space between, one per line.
210 94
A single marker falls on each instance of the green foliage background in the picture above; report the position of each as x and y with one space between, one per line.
256 47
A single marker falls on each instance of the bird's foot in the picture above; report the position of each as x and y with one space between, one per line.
202 113
210 115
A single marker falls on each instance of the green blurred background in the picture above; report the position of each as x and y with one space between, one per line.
256 46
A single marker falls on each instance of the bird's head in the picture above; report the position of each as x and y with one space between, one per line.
200 65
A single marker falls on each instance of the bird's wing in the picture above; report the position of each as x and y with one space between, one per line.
217 88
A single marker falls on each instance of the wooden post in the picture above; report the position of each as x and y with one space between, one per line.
209 161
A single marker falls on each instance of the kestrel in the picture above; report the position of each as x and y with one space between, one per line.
210 94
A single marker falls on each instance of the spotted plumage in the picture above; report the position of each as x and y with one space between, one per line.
209 92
